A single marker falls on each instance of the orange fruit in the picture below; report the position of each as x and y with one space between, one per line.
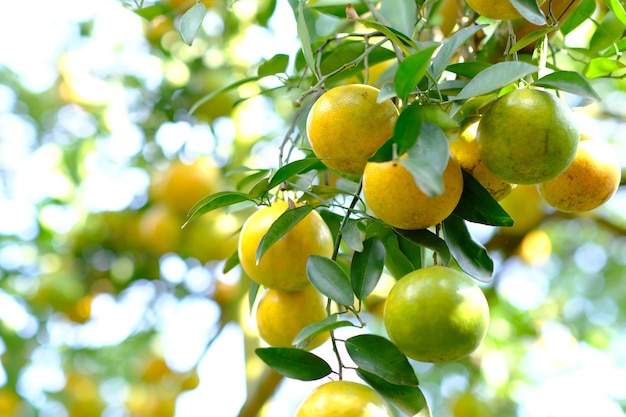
495 9
160 230
526 208
391 194
211 237
281 315
527 136
346 125
283 266
590 180
465 150
436 314
343 399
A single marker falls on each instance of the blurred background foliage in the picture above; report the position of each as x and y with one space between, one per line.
108 308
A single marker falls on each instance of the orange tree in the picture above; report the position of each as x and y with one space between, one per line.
552 280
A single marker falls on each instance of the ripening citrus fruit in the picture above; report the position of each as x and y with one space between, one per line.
283 266
182 185
590 180
281 315
527 136
391 194
495 9
346 126
343 399
436 314
210 237
159 229
465 150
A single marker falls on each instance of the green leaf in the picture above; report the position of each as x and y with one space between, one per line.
305 37
604 67
151 12
381 357
404 42
367 267
410 400
449 47
530 10
283 224
397 261
337 7
411 71
530 38
220 91
427 160
275 65
570 81
471 256
352 235
293 168
294 363
401 15
429 240
495 77
618 9
330 279
215 201
581 13
437 116
252 294
468 69
478 206
349 51
231 262
609 32
331 322
405 134
190 22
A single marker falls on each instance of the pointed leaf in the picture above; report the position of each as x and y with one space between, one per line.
530 38
367 267
331 322
401 15
411 71
428 159
581 13
429 240
329 279
295 363
381 357
604 67
409 400
283 224
405 134
305 37
448 50
293 168
396 37
190 22
570 81
352 235
396 261
275 65
495 77
471 256
215 201
478 206
530 10
618 9
215 93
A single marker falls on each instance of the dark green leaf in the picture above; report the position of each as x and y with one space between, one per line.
260 189
367 267
405 134
331 322
231 262
220 91
330 279
398 38
401 15
294 363
352 235
409 400
215 201
449 47
381 357
530 10
293 168
411 71
252 294
427 160
275 65
581 13
429 240
530 38
283 224
397 261
478 206
190 22
570 81
471 256
495 77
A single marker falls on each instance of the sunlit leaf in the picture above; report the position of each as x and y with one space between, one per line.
471 256
478 206
294 363
570 81
449 47
293 168
400 14
584 11
329 279
331 322
283 224
219 91
381 357
151 12
275 65
405 134
215 201
618 9
530 10
190 22
408 399
411 71
231 262
604 67
305 37
367 267
530 38
495 77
